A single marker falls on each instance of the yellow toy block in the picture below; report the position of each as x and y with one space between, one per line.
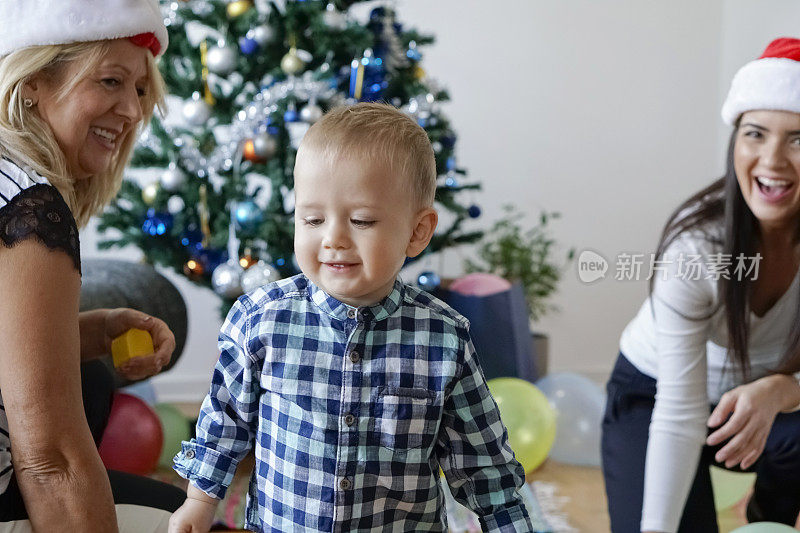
132 343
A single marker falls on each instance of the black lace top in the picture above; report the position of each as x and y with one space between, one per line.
32 208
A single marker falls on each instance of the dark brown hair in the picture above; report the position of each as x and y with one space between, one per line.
722 203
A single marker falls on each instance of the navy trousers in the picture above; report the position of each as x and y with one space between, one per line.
626 423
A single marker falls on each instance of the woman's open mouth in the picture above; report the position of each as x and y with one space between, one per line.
774 189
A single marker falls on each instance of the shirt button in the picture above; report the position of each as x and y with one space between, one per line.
189 454
354 357
351 313
345 484
349 419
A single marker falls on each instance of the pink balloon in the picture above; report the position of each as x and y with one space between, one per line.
480 284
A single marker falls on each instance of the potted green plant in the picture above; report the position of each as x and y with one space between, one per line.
529 256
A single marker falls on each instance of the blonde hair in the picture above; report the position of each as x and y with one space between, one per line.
27 139
379 132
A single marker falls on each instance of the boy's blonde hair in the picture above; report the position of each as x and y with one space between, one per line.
27 139
380 133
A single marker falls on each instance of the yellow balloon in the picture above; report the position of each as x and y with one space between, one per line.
528 417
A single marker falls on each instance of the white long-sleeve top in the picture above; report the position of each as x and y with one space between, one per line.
679 337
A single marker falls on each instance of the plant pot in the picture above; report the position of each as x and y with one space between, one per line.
540 353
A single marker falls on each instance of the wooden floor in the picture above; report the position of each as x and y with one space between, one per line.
586 507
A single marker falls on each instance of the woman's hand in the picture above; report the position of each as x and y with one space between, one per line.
752 409
118 321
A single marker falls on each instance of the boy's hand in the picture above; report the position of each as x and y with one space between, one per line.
118 321
194 516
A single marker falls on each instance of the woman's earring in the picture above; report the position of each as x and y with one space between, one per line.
27 103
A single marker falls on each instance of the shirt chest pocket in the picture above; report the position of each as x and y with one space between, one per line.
404 418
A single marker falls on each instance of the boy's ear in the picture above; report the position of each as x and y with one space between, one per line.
425 225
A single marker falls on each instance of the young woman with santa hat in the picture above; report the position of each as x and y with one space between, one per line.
720 332
77 82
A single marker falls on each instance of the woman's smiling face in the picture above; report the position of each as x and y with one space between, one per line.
766 157
93 119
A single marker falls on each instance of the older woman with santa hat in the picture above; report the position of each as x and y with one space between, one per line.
720 332
78 80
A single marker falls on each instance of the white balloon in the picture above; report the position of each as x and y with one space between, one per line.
579 403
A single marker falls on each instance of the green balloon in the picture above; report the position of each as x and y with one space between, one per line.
765 527
729 487
176 429
528 417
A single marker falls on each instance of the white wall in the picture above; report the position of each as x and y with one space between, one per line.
604 111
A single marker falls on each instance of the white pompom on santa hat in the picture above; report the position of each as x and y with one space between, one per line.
29 23
771 82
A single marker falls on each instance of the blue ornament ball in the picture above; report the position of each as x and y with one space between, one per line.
474 211
451 163
248 215
156 223
291 115
429 281
451 182
248 46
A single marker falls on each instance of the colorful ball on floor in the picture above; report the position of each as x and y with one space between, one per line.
133 438
528 417
729 487
579 404
177 429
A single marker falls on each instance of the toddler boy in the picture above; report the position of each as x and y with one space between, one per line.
352 387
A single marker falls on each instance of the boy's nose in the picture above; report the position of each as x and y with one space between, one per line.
335 237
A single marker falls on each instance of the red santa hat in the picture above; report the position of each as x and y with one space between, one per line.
41 22
770 82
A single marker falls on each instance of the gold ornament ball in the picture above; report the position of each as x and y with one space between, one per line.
419 72
149 193
238 8
291 63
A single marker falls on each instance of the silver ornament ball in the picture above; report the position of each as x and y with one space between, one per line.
196 112
173 178
227 279
259 275
311 113
175 205
264 145
261 34
334 18
221 60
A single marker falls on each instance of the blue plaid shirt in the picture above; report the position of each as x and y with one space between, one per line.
352 412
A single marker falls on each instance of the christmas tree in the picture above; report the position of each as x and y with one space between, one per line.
253 77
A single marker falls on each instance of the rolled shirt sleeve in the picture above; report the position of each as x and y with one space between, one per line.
228 417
